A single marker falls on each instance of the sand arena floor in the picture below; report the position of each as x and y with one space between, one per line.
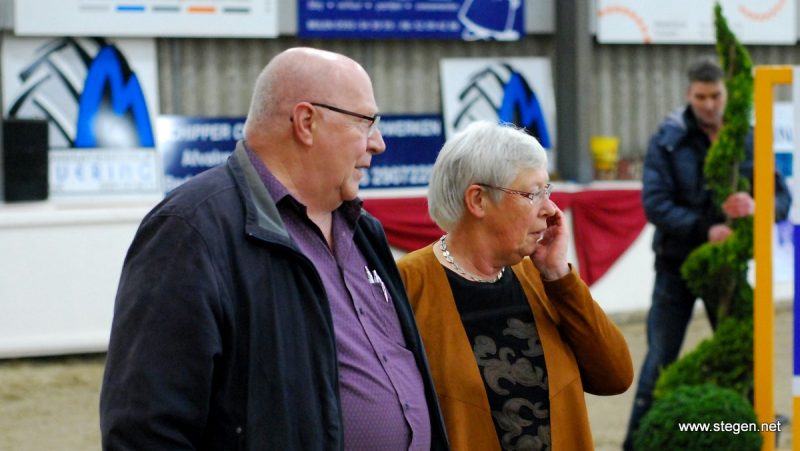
52 403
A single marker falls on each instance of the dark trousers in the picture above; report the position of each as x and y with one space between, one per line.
669 315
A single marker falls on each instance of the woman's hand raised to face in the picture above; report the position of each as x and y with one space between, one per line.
550 254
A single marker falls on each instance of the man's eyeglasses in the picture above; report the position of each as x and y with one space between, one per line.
373 120
535 198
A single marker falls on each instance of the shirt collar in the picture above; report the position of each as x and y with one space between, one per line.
350 209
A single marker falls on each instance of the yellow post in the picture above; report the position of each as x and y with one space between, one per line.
795 422
764 191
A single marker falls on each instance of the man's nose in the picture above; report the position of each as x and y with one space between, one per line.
709 104
375 143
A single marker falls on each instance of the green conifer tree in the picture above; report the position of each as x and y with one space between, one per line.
717 272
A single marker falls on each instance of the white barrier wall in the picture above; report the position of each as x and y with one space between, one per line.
60 265
59 269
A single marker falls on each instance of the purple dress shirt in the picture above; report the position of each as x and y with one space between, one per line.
381 390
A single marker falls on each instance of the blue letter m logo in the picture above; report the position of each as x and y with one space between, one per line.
112 110
520 106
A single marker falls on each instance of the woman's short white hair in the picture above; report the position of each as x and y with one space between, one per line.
484 152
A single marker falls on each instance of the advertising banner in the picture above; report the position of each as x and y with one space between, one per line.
470 20
692 21
96 94
782 138
794 216
412 144
146 18
514 90
190 145
783 144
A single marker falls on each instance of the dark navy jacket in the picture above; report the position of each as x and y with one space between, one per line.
222 336
674 193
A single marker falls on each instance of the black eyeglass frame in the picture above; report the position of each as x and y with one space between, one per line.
373 120
533 197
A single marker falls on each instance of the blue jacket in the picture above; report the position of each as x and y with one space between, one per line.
674 193
222 336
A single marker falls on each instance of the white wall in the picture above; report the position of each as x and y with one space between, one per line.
628 283
60 265
59 269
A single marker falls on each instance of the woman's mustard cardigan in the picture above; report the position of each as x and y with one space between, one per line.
583 350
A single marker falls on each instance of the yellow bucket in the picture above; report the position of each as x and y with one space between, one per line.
605 152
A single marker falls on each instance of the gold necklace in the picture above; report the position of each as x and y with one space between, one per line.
468 275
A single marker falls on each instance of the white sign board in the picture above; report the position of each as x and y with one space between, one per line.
692 21
146 18
100 98
104 171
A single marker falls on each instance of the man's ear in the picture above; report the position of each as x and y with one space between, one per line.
304 122
475 198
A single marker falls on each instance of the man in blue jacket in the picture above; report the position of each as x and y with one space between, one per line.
259 306
677 201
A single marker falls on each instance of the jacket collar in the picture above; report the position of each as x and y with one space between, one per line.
673 128
678 125
261 215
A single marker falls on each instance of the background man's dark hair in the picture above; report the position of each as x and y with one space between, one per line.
705 70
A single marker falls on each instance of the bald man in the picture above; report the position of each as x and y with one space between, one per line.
259 306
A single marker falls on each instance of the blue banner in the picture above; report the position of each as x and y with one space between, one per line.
470 20
796 238
412 143
190 145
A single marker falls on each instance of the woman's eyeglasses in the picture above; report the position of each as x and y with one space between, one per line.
536 197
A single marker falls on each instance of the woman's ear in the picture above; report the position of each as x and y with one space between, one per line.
304 121
475 199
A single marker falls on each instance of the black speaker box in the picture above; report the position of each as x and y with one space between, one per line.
25 144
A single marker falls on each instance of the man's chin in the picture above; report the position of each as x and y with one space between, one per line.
349 192
709 122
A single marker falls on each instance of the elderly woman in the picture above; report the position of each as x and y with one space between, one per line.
512 334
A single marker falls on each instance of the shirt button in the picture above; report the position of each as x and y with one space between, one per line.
406 406
360 310
385 359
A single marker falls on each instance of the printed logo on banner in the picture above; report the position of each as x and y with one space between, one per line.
513 90
112 111
92 98
489 19
90 101
471 20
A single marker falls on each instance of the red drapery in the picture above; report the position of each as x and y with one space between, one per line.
605 223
